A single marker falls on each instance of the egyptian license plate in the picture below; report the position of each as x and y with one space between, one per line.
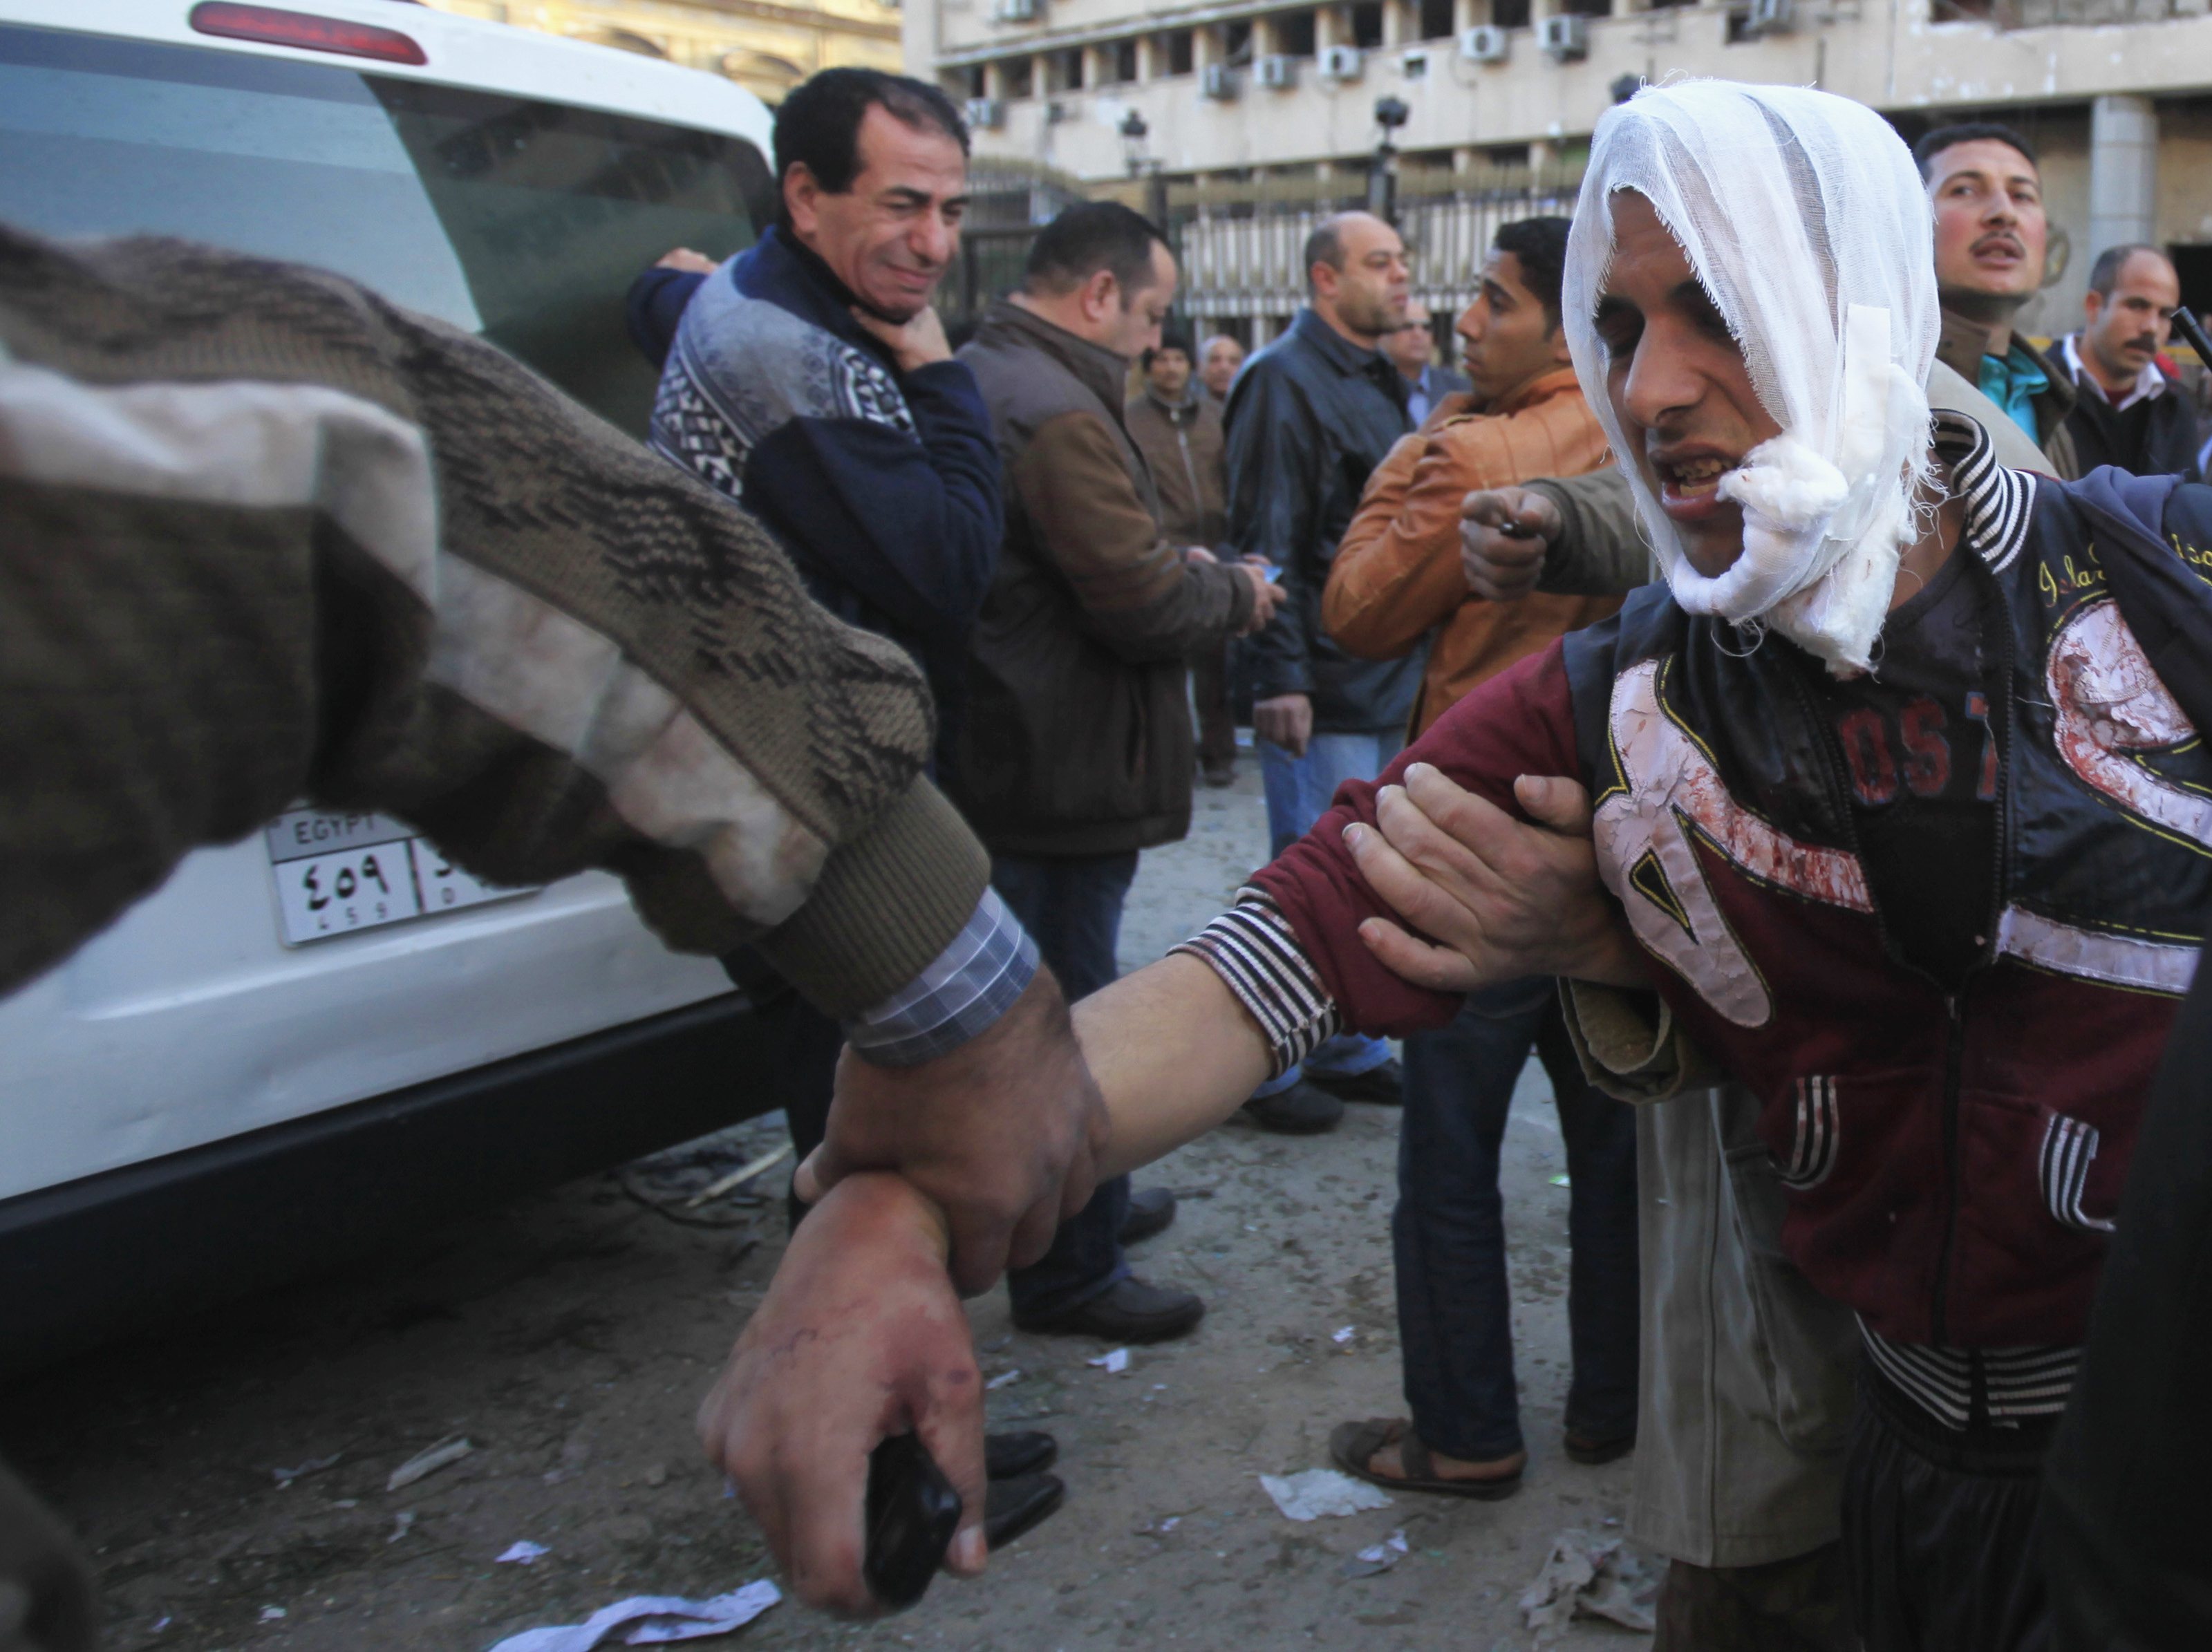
338 874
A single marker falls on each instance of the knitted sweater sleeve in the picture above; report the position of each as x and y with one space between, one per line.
273 538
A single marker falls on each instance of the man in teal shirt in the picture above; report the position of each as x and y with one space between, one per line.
1991 242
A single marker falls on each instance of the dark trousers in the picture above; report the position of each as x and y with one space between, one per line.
1073 908
1073 905
1798 1605
1939 1531
1454 1308
1209 694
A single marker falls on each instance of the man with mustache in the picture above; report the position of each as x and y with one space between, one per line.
1922 908
2132 411
1992 243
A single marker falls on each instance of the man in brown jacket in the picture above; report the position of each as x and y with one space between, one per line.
1077 751
1177 428
1395 579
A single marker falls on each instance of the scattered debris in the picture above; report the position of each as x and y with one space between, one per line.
739 1177
657 1475
521 1552
1171 1523
445 1452
1561 1181
1377 1557
648 1619
316 1465
272 1614
1591 1577
1343 1336
1114 1364
402 1524
161 1623
1322 1491
1005 1377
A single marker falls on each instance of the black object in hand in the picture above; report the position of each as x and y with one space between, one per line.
913 1512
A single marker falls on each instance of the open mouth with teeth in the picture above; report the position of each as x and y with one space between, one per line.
1689 486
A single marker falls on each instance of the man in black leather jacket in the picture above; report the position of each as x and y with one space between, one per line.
1309 418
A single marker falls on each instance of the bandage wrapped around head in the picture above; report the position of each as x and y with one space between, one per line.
1805 218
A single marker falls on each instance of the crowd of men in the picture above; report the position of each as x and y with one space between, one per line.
1800 839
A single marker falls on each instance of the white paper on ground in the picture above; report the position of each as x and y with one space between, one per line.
1114 1364
1590 1578
1322 1491
651 1620
521 1552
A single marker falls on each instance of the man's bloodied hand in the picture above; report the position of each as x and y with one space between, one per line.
1004 1134
1502 897
860 1337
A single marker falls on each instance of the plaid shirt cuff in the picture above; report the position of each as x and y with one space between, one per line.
973 982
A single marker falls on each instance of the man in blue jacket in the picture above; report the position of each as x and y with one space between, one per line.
809 378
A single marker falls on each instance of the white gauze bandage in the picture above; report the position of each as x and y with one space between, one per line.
1804 217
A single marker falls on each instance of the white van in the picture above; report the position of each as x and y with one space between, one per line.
308 1040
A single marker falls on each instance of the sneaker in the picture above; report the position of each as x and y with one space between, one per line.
1130 1310
1383 1085
1301 1110
1151 1210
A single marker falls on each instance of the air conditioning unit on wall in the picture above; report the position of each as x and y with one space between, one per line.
1566 37
1485 43
1341 63
1016 11
1770 17
988 113
1218 83
1277 74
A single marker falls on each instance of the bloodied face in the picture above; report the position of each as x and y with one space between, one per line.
1678 383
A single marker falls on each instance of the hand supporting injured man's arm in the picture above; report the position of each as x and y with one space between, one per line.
856 1339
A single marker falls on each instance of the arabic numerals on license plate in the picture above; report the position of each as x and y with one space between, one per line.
445 886
355 888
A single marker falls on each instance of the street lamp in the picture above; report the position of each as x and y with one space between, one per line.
1133 134
1390 113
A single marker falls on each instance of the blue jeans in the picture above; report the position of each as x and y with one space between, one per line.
1455 1308
1073 905
1298 791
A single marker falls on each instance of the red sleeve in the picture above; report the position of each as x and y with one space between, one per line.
1519 722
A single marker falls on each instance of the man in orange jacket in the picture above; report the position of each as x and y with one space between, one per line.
1397 578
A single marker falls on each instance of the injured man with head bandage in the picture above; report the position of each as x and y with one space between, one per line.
1896 815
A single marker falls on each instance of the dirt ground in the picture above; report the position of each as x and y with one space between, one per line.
568 1337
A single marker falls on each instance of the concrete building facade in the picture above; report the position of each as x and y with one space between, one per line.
767 46
1259 111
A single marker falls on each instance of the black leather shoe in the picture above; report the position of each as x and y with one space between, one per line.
1026 1451
1128 1311
1150 1211
1015 1506
1384 1086
1582 1449
1303 1110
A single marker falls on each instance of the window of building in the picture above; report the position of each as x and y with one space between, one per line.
1020 75
1436 22
1294 34
968 82
1507 154
1121 61
1588 8
1366 20
1178 52
1236 42
1509 14
1064 70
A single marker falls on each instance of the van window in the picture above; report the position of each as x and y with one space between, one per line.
520 219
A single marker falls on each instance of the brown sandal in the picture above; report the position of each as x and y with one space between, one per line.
1352 1447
